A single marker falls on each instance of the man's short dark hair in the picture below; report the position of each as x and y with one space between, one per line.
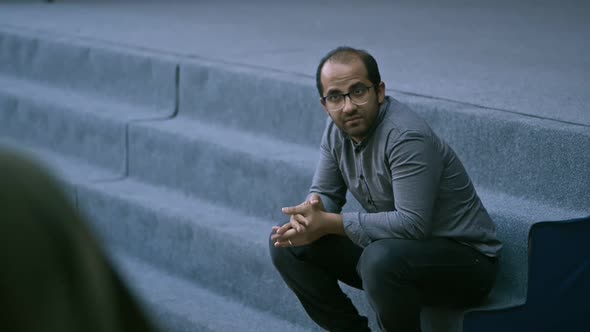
345 54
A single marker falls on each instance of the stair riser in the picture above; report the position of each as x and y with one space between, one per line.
180 305
513 274
124 75
232 178
531 158
85 136
280 105
171 321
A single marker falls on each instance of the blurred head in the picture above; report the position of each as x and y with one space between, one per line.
351 90
55 276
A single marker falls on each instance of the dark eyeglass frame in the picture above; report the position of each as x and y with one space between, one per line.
344 95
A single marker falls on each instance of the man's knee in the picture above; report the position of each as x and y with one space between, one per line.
280 256
275 253
384 261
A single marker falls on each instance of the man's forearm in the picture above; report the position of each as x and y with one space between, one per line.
329 204
332 224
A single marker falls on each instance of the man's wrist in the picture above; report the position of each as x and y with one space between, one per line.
332 224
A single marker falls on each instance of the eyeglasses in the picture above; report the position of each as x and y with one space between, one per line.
358 96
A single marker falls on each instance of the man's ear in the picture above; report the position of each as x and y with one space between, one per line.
381 92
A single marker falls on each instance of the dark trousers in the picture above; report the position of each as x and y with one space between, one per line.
398 276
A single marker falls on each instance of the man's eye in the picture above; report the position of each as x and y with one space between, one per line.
359 91
334 98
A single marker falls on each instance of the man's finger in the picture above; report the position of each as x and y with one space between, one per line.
276 237
284 228
283 240
316 202
296 224
299 209
283 236
285 244
281 229
301 220
315 199
282 244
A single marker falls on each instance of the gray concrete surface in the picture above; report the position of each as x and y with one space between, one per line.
530 57
529 169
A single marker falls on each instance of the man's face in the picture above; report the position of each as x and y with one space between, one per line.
341 78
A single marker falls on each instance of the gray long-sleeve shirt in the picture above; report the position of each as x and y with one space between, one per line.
410 182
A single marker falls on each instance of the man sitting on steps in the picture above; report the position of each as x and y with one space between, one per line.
425 237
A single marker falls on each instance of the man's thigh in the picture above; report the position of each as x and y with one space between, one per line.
444 271
337 255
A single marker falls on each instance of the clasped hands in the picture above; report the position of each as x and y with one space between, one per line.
305 224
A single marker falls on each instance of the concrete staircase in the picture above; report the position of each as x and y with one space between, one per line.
182 166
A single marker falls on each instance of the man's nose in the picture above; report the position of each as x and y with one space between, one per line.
349 106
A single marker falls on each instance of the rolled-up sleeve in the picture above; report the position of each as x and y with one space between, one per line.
416 167
354 230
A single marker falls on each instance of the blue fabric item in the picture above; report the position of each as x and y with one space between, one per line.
559 283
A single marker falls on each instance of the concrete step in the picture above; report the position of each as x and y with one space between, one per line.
218 247
254 174
524 156
196 157
68 170
210 183
88 67
497 147
270 102
69 123
178 305
207 242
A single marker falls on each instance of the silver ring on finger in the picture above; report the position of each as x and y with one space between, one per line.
290 243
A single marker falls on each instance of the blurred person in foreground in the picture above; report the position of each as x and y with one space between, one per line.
424 238
54 275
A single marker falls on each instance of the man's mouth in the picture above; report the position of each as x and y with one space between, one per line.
352 119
